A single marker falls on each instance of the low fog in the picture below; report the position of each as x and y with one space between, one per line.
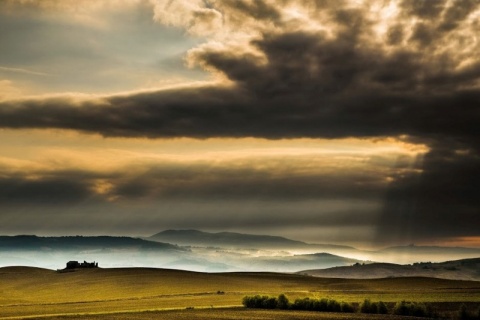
244 255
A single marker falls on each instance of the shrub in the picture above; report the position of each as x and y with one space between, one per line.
248 302
463 313
269 303
303 304
282 302
401 308
329 305
317 305
322 305
382 308
254 301
432 312
333 306
347 307
368 307
419 310
261 302
325 305
413 309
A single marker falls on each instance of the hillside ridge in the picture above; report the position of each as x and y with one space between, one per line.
463 269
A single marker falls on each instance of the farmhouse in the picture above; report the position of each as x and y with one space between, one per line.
84 264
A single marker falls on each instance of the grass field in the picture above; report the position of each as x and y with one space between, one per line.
230 314
129 293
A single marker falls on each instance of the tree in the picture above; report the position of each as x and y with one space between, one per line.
463 312
282 302
347 307
368 307
382 308
401 308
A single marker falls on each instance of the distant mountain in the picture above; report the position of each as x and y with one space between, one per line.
223 239
239 240
413 253
35 243
429 250
465 269
299 262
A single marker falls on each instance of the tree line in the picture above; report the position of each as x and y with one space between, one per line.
403 308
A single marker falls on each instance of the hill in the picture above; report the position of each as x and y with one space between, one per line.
217 252
54 252
31 242
31 292
224 239
301 261
238 240
414 253
430 250
465 269
233 240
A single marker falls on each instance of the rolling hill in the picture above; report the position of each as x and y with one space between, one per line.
95 293
465 269
418 253
239 240
54 252
35 243
216 252
295 262
224 239
236 241
428 250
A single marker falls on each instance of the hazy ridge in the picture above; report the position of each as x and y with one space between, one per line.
229 251
32 242
465 269
235 240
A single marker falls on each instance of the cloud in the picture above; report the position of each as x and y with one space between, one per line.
289 82
320 69
25 71
149 179
271 182
8 90
239 192
90 47
46 191
442 202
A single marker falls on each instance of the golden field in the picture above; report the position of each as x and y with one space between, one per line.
230 314
142 293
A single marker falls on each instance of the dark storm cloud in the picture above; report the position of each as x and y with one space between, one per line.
175 181
423 8
437 19
51 187
421 80
310 85
258 10
441 202
339 104
175 196
209 182
46 191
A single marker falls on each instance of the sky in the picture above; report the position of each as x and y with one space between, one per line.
329 121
